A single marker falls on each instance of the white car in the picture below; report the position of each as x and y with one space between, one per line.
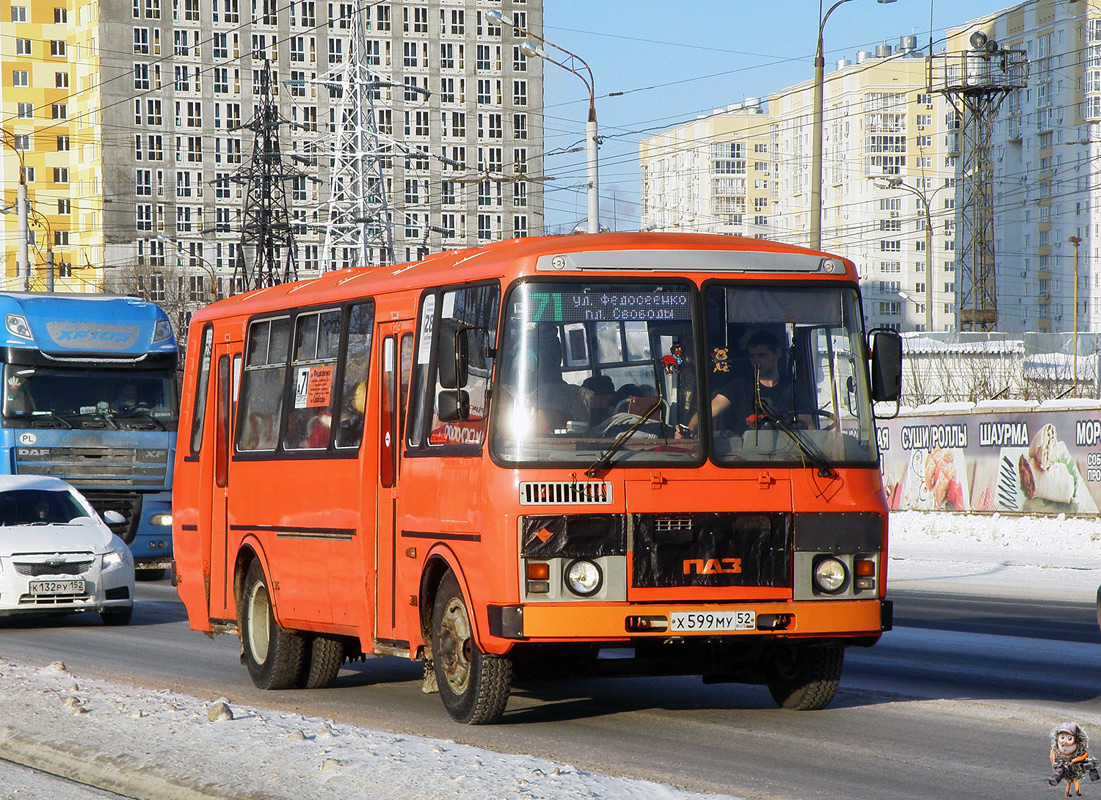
57 555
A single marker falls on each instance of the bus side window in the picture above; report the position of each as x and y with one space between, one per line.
262 384
313 378
356 359
202 383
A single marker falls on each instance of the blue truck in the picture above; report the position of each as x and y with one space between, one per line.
90 396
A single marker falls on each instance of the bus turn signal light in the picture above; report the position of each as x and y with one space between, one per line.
864 568
538 572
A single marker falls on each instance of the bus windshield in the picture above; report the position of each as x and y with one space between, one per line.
64 397
787 376
590 368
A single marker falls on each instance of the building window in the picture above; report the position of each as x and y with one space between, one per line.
64 207
61 174
57 47
59 111
18 13
20 78
23 47
25 111
61 16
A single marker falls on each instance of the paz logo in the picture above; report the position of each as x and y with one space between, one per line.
544 535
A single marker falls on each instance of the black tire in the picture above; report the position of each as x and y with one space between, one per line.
272 654
149 574
474 686
321 663
116 616
806 678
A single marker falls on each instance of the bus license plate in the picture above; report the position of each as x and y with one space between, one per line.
712 621
57 587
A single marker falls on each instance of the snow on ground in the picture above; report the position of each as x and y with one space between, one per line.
160 744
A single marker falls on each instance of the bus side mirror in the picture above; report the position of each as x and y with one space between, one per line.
454 357
453 405
886 346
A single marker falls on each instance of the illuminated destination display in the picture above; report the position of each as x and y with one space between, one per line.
610 306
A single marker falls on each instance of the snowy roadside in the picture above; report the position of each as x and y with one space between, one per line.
162 745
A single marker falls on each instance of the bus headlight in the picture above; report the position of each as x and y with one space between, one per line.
830 575
584 578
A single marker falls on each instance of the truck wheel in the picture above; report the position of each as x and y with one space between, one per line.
806 678
116 616
273 654
321 663
474 686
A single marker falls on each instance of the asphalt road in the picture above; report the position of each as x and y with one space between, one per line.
958 699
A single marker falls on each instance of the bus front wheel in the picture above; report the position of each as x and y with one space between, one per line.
272 654
805 678
474 686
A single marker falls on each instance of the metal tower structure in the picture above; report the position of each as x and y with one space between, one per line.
975 82
359 229
266 225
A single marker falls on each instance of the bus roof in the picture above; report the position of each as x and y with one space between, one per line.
88 324
587 254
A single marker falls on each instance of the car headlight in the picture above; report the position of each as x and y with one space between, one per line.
830 575
584 577
113 559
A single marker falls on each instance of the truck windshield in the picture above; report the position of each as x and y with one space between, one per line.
596 373
81 397
786 376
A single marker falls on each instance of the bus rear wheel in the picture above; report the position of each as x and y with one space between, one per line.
272 654
806 678
474 686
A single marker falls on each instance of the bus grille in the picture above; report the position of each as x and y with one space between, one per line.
711 549
554 493
94 467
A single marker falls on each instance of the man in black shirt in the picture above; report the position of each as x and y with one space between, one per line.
748 404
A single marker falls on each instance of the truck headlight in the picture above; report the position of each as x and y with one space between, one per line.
830 575
584 578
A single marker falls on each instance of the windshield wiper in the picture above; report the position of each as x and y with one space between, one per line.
47 416
605 458
141 413
806 447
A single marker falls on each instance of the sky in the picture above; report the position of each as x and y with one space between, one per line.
125 737
675 59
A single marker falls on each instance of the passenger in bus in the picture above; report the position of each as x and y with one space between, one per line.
259 432
554 403
604 395
755 403
18 399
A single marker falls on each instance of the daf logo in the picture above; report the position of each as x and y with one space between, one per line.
33 451
712 566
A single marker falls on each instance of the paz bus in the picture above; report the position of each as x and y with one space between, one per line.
90 397
499 461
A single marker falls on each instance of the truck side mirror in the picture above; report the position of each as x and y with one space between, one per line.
886 347
454 357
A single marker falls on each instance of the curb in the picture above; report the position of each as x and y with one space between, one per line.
117 774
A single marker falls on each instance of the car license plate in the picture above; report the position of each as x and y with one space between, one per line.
57 587
712 621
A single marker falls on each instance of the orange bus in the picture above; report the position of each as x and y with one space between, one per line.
499 461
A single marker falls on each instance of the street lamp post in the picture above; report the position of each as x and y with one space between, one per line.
591 131
816 129
896 183
207 266
1075 240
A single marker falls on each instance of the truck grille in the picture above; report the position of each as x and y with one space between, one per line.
126 503
89 467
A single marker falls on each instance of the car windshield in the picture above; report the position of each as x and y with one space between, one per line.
76 397
39 506
787 377
596 373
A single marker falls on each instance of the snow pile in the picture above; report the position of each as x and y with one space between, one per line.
162 744
995 554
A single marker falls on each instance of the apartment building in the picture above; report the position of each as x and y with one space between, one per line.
888 148
130 115
1046 145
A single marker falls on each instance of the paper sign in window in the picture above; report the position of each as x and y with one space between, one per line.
313 386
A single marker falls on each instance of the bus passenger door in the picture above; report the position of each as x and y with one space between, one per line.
221 559
395 355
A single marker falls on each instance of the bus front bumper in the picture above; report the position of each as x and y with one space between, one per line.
598 622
